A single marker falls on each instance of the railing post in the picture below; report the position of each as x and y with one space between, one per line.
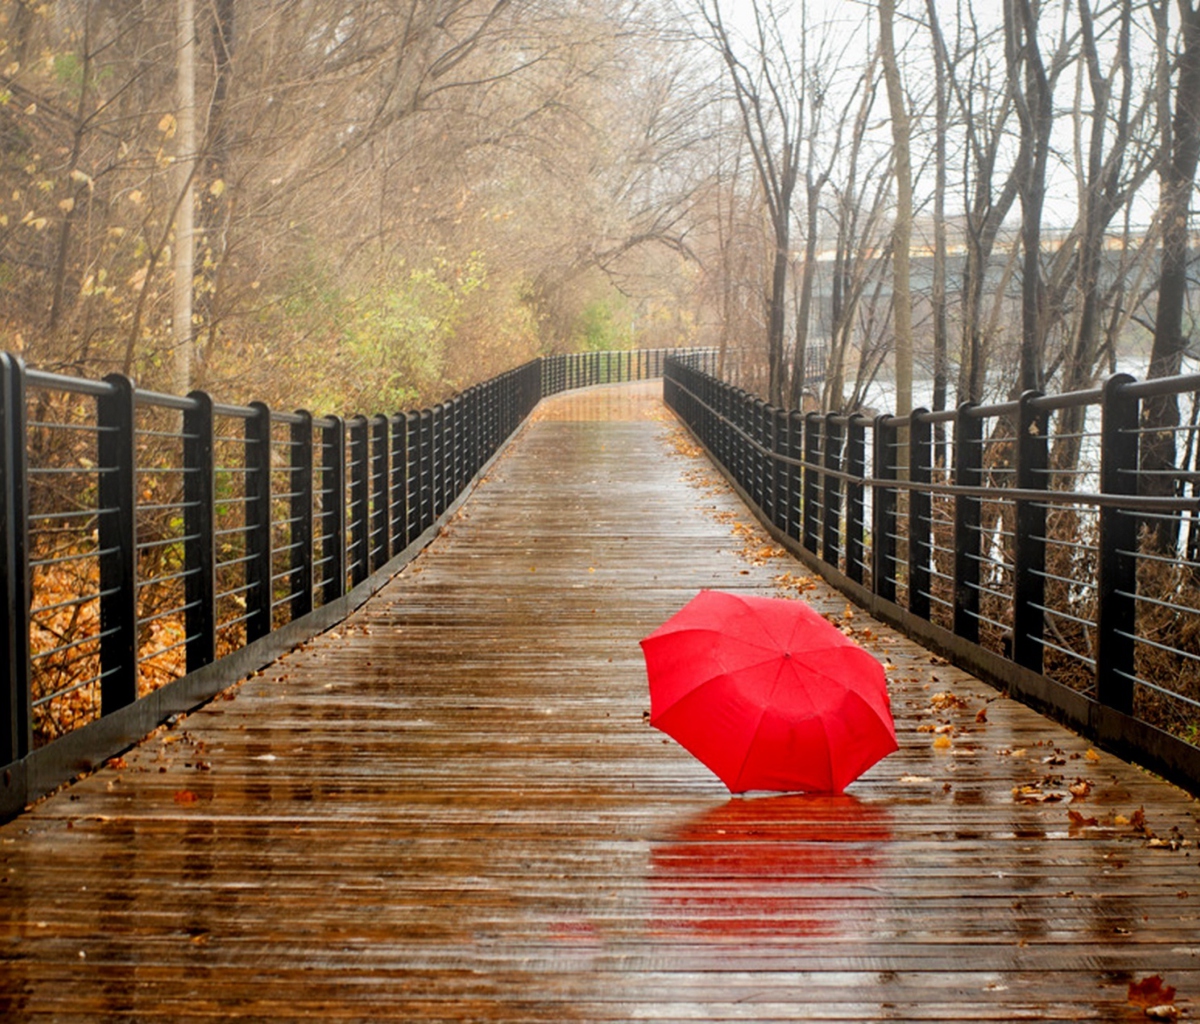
16 736
758 469
812 482
724 433
302 514
746 458
380 520
795 496
117 535
358 519
439 459
199 526
779 475
456 449
1029 547
425 513
260 590
398 489
831 500
473 443
333 509
856 467
883 528
412 474
920 513
1116 615
968 472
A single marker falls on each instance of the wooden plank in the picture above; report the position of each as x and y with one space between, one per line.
450 808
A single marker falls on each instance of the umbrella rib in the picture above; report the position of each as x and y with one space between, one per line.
723 674
762 713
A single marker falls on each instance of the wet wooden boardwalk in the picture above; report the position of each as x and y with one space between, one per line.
451 809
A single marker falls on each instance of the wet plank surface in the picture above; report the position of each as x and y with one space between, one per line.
451 809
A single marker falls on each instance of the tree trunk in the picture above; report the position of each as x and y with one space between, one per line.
902 225
938 298
1034 103
777 315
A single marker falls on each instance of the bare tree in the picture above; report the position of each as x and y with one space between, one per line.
1178 160
903 220
768 92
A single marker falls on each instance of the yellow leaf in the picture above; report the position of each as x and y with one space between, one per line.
167 125
217 188
943 742
1091 755
67 205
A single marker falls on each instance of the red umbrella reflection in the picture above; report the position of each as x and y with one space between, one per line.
794 866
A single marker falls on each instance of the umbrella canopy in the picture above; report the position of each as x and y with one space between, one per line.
768 694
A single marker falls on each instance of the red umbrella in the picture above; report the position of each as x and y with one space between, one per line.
768 694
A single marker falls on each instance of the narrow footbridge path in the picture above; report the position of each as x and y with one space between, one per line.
450 808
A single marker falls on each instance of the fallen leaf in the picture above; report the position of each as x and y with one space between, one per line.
1036 795
981 715
1079 821
942 743
1150 992
185 796
1080 788
1091 755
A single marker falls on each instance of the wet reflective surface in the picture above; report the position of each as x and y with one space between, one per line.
450 808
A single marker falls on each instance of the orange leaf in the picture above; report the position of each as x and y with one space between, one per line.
1150 992
185 796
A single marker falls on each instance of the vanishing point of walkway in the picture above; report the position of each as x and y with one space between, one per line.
451 809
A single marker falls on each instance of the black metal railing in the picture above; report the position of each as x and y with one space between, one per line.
154 548
1023 540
